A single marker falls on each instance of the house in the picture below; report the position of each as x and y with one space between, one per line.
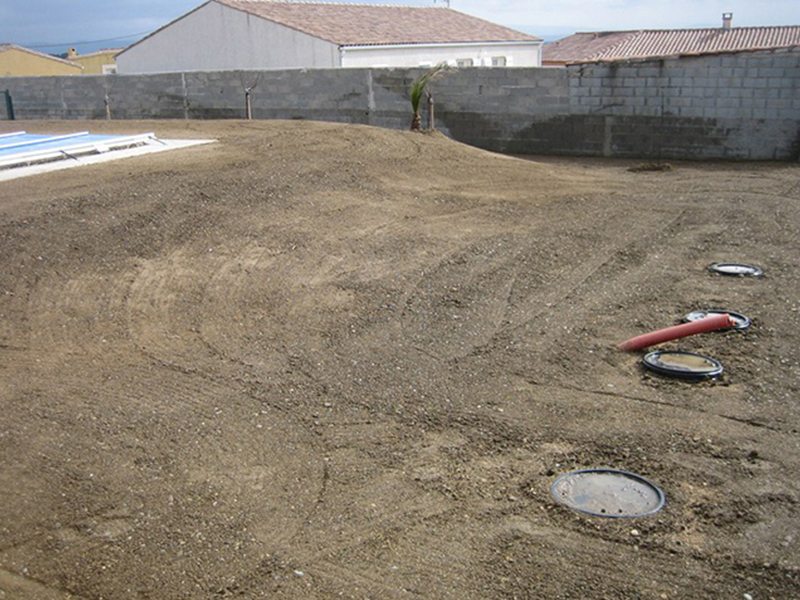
263 34
16 61
616 45
96 63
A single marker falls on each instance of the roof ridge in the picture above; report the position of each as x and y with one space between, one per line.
42 54
446 26
620 42
592 46
101 51
343 4
337 27
646 57
611 31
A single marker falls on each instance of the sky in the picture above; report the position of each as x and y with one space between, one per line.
53 26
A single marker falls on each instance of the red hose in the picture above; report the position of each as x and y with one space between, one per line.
675 332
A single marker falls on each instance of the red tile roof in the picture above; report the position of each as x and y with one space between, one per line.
372 24
613 45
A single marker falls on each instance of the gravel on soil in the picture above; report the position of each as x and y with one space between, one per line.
328 361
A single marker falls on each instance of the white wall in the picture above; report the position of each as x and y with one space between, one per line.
517 55
217 38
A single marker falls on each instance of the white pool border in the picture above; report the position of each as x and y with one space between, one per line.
154 146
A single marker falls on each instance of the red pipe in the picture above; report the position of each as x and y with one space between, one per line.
704 325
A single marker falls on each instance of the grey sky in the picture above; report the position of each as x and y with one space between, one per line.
38 22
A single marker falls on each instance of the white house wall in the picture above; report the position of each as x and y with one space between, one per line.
516 55
218 38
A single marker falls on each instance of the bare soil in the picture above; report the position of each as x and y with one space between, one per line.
319 361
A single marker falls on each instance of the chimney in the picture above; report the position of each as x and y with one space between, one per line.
71 53
727 19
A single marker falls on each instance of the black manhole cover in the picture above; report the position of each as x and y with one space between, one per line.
740 321
686 365
608 493
739 269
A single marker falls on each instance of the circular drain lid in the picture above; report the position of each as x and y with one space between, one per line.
741 321
686 365
736 269
608 493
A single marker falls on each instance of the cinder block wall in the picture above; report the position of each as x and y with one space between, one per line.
738 105
741 105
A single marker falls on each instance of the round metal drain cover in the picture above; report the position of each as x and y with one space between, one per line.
608 493
686 365
741 321
736 269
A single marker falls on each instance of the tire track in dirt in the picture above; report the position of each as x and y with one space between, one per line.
232 311
161 315
413 563
566 288
480 288
348 577
263 472
699 410
285 296
91 534
66 316
212 338
14 586
537 561
599 291
432 451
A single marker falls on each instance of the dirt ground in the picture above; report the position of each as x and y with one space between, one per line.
317 361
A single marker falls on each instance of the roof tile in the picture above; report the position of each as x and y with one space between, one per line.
370 24
613 45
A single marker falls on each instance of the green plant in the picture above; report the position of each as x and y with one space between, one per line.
418 87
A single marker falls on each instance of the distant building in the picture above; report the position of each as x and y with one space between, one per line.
617 45
101 62
16 61
262 34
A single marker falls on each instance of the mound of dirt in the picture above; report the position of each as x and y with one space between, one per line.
320 361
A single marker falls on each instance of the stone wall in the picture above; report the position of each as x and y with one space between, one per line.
741 105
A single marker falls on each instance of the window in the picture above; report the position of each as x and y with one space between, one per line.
498 61
109 69
463 62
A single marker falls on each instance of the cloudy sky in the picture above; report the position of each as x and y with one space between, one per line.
54 25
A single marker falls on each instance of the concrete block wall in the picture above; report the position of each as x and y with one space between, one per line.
742 105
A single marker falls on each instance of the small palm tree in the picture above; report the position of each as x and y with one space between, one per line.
417 90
